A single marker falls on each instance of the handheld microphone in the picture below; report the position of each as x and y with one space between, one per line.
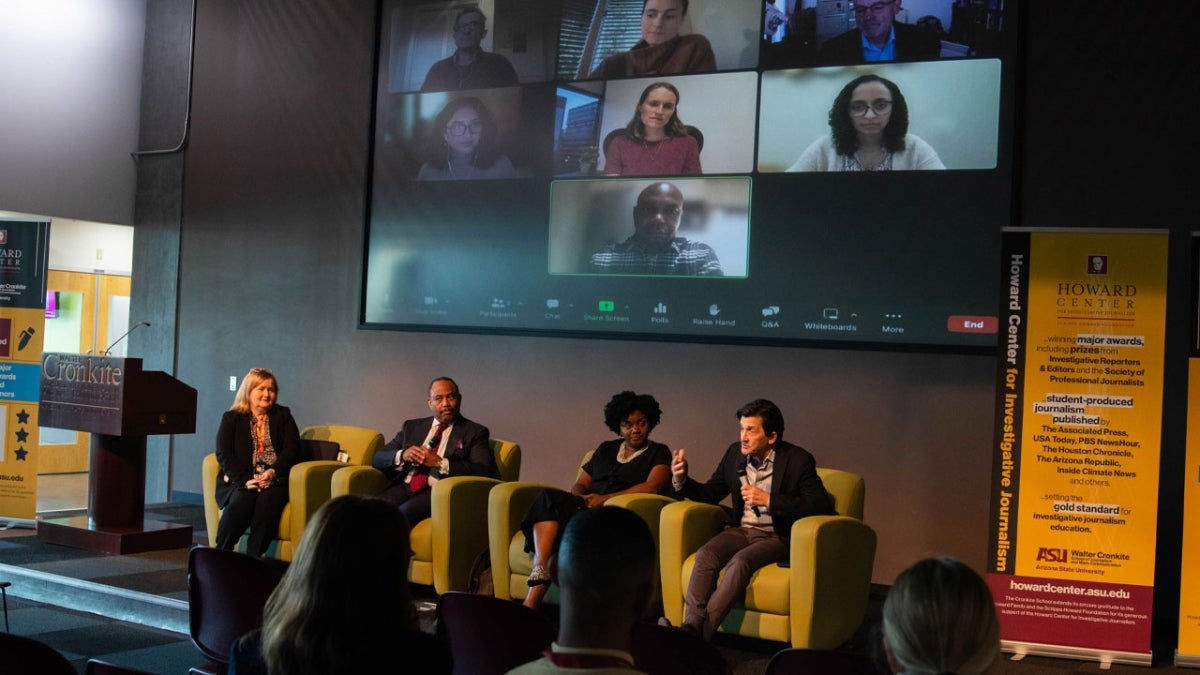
429 445
745 481
125 335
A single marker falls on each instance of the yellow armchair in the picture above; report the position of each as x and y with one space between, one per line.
818 602
447 544
507 505
308 483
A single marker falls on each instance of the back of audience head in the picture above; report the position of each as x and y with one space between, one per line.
939 618
606 564
345 593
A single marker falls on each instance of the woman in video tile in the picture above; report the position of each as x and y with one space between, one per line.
662 50
869 132
655 142
464 147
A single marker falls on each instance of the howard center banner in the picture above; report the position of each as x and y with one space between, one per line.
24 251
1076 457
1188 650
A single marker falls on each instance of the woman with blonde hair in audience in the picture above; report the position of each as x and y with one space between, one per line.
344 604
939 619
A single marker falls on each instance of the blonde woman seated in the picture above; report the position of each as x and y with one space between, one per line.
655 142
257 444
630 464
662 50
939 617
344 603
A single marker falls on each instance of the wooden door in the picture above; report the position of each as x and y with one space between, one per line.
91 309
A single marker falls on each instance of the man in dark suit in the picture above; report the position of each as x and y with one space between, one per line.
431 448
773 484
879 37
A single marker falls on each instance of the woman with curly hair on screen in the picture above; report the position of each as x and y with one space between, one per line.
869 132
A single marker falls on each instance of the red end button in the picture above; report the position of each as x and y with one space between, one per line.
972 324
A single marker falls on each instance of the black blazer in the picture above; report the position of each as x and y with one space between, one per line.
796 489
235 451
469 450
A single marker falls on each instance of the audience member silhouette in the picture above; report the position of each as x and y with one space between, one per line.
344 604
606 574
939 617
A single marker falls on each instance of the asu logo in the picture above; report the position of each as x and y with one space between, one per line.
1052 555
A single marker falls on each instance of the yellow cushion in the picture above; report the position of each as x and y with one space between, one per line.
285 523
769 590
519 561
421 540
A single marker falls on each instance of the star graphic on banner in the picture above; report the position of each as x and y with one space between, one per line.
22 436
22 417
20 453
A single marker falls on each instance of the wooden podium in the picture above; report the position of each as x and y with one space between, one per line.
120 405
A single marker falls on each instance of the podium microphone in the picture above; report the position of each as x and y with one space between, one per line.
744 481
125 335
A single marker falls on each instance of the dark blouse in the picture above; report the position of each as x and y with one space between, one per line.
609 475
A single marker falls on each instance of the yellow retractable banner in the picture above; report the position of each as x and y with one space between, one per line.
24 252
1076 457
1188 652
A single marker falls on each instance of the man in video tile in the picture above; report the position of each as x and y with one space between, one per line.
654 248
879 37
469 67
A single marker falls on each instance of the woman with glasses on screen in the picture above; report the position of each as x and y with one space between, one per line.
629 464
662 50
869 132
463 146
655 142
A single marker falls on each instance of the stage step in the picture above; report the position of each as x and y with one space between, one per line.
87 596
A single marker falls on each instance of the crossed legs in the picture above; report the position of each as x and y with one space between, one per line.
739 551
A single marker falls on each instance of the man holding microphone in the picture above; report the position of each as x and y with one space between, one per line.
773 483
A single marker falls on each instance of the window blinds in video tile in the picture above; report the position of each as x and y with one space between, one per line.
529 175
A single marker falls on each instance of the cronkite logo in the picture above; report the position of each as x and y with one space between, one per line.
1052 555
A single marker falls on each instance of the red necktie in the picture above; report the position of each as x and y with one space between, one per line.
420 477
